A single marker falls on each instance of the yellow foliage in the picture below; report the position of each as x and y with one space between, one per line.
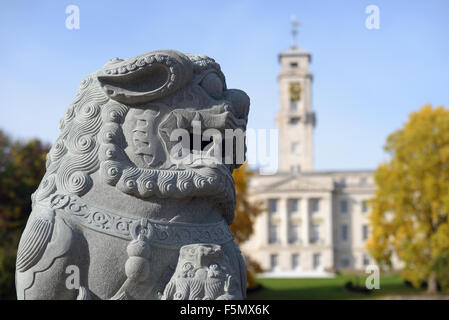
245 212
410 209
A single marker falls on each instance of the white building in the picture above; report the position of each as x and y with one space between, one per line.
315 221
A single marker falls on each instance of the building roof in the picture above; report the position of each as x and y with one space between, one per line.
320 172
294 51
314 180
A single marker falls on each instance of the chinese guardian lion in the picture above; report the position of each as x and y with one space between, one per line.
124 211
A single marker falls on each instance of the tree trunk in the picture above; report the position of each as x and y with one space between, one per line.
432 284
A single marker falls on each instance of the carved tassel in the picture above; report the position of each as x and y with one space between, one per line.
34 241
213 288
196 289
182 289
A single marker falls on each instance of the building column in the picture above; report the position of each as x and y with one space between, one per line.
327 211
328 242
283 220
305 226
264 226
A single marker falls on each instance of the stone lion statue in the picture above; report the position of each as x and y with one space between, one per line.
126 211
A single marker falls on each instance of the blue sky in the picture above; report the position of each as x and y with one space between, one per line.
366 82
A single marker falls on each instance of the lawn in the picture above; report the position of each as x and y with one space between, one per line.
331 288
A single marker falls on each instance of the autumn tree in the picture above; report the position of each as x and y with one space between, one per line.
245 212
410 209
245 215
22 166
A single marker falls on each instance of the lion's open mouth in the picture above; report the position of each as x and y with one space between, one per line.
201 176
211 137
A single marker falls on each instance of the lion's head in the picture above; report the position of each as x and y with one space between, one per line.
157 125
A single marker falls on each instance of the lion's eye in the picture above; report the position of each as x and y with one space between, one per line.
213 85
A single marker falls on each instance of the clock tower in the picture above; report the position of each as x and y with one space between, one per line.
295 119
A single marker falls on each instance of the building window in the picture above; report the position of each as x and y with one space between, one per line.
295 148
294 64
364 206
344 263
293 205
295 169
316 261
295 261
272 205
314 205
365 231
274 262
272 233
315 233
293 233
293 120
344 232
363 181
294 108
344 206
366 259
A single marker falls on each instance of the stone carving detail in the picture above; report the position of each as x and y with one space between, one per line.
73 157
202 273
34 242
99 220
123 202
159 233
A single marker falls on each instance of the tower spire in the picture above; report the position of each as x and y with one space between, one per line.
295 120
295 25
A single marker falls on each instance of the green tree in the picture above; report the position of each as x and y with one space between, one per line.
410 210
22 166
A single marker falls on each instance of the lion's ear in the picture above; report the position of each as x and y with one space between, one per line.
146 77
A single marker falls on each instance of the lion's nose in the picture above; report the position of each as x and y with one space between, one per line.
240 102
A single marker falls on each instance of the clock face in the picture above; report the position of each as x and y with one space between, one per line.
295 91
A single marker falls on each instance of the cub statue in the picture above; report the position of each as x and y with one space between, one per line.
138 193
